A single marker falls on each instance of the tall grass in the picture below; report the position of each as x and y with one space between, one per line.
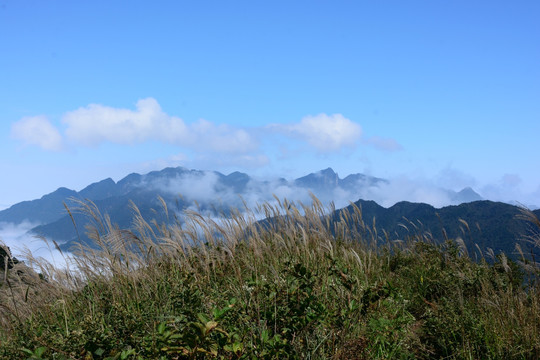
299 285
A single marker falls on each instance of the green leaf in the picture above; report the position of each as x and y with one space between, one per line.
27 351
161 327
201 328
40 351
203 318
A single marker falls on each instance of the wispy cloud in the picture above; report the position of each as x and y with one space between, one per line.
221 138
324 132
403 188
509 189
455 179
384 144
511 180
206 188
37 130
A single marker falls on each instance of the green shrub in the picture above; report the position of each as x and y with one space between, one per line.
293 289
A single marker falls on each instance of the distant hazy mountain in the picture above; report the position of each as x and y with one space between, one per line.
169 183
464 196
49 208
180 188
327 180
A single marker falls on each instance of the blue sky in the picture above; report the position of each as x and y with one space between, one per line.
435 93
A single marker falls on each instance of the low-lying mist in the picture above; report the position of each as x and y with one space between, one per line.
21 243
207 188
214 194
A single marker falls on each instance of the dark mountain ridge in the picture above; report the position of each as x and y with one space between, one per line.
487 224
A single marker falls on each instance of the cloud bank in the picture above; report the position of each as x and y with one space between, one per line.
207 188
95 124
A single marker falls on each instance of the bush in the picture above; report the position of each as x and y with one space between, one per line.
286 289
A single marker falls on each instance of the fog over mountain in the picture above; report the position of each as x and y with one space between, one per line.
210 192
214 188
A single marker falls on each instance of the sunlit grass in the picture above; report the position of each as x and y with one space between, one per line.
297 285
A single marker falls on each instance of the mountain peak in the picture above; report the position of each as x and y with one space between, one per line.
321 180
466 194
99 190
328 171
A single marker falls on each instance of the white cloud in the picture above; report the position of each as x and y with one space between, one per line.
96 123
510 189
454 179
205 188
216 144
403 188
200 187
222 138
16 237
324 132
37 130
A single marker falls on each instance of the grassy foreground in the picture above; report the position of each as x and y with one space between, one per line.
286 289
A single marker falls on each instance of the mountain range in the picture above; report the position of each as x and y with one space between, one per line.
482 225
490 224
179 187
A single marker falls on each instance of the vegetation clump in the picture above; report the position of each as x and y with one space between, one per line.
299 285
